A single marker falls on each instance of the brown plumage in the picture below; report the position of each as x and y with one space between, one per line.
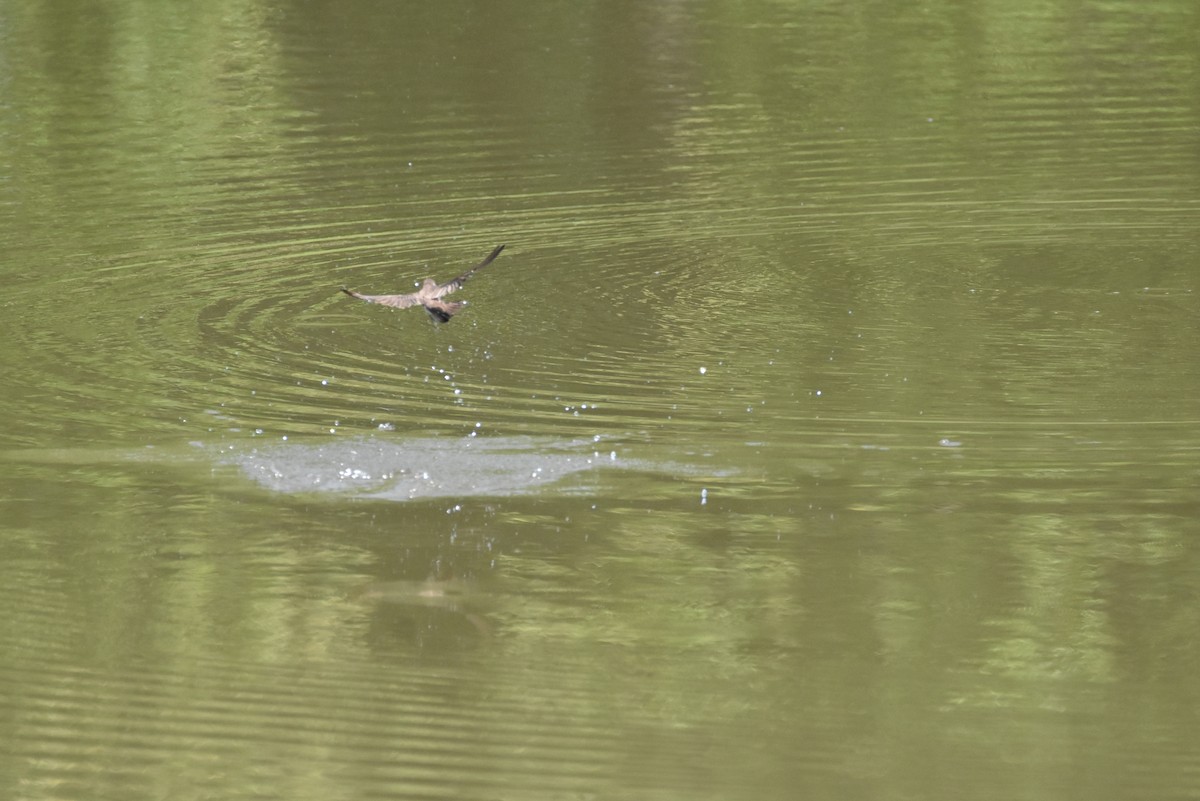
430 294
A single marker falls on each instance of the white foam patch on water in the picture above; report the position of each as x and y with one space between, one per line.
405 469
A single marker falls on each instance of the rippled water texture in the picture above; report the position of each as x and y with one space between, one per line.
828 426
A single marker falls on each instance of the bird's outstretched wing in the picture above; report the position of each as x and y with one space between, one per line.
452 285
397 301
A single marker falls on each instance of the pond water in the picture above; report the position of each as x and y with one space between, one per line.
829 426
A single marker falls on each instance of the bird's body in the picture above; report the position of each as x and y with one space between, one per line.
430 294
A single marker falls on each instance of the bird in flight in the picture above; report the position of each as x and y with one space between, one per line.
430 294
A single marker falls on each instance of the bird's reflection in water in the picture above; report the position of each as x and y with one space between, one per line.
433 608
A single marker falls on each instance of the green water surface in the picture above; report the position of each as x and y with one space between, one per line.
828 428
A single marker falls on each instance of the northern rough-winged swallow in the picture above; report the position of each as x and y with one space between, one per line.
430 294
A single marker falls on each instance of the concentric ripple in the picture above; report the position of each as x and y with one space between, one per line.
731 267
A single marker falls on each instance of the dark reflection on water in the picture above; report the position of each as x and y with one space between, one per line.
584 644
890 319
